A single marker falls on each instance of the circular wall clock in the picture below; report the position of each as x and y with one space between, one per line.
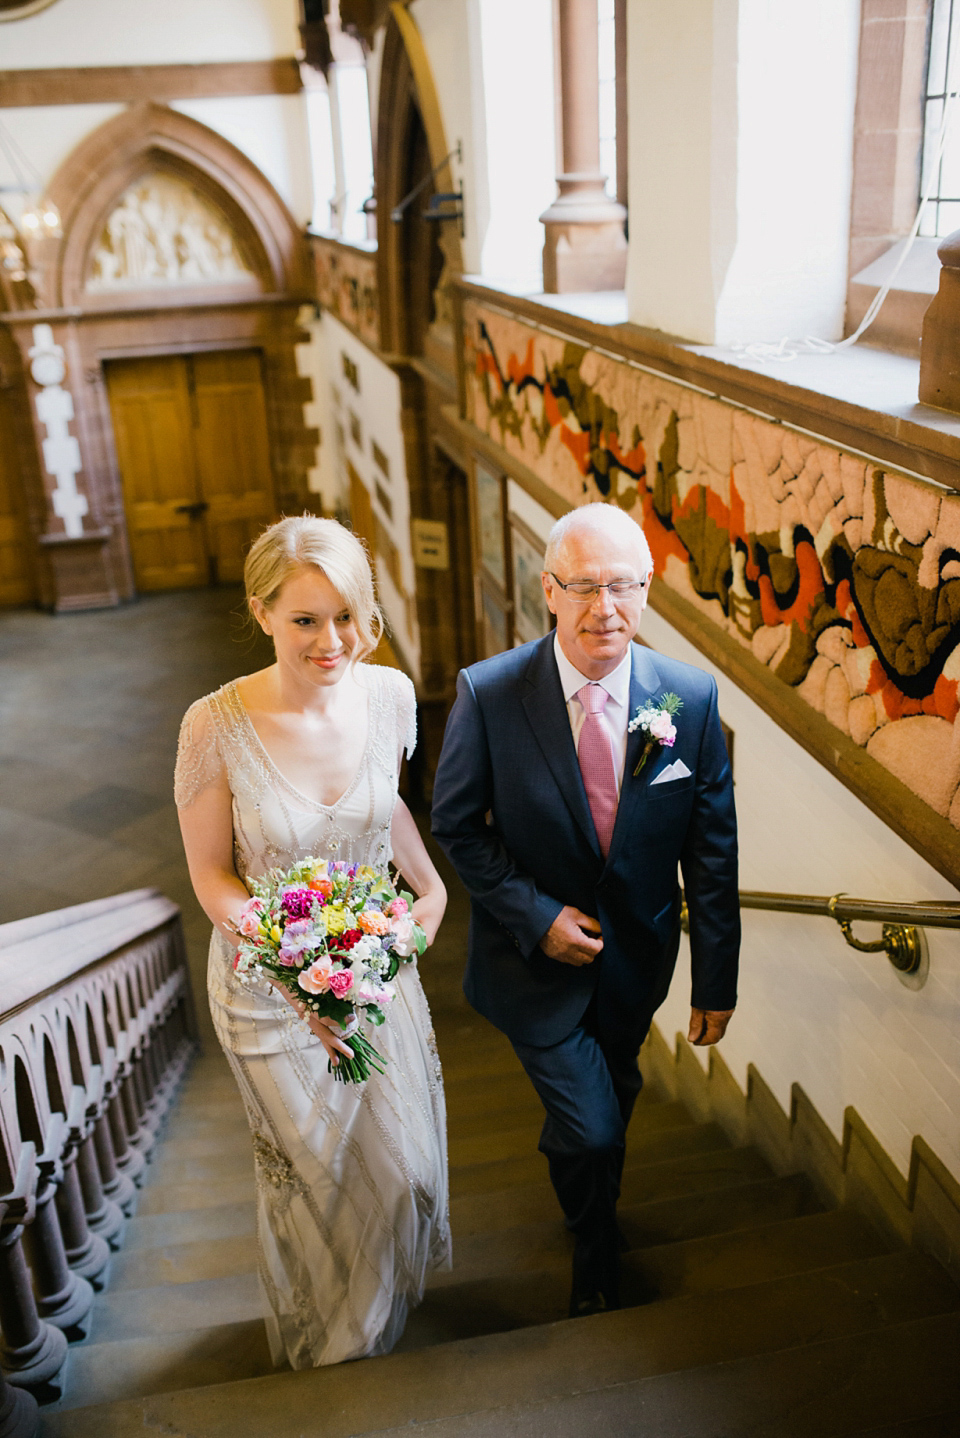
20 9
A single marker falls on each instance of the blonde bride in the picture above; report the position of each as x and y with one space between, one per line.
301 759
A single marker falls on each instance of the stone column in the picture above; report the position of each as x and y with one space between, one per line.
585 247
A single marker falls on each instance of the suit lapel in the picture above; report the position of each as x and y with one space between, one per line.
545 708
645 688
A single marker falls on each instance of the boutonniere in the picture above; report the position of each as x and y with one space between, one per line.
655 722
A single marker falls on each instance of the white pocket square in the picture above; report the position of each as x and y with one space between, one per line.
676 770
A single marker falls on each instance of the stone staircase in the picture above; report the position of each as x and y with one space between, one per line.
752 1309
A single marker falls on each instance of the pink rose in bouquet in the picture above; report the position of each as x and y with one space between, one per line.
341 982
316 979
250 915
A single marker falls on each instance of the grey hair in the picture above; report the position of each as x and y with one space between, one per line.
307 542
605 518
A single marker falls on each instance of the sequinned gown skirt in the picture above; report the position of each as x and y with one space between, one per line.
351 1179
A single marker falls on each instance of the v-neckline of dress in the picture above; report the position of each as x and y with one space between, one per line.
251 729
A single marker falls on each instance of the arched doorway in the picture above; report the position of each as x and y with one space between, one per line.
415 258
172 303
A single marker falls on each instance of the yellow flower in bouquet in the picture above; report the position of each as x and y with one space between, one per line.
336 918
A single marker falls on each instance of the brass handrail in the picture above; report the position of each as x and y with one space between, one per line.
902 937
932 913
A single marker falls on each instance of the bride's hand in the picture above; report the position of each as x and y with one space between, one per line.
428 912
328 1031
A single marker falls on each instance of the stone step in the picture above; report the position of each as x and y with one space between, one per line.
176 1197
208 1243
156 1230
492 1138
527 1248
210 1165
833 1389
485 1176
520 1382
535 1201
216 1256
755 1255
717 1210
174 1307
464 1307
164 1362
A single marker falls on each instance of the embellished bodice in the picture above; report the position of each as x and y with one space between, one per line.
274 824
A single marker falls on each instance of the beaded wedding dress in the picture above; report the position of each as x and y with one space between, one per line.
351 1180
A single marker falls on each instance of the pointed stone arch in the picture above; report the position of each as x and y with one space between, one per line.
151 137
408 120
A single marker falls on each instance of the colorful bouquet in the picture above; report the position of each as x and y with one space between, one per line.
334 935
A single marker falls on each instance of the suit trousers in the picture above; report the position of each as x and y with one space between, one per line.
588 1088
588 1084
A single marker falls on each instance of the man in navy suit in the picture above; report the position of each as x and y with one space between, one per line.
570 858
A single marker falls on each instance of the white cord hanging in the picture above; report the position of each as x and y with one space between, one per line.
788 349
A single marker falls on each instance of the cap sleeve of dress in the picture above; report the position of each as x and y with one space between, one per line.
406 716
199 761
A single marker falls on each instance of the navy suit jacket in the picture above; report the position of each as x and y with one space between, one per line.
511 812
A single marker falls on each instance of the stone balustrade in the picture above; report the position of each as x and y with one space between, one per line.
96 1029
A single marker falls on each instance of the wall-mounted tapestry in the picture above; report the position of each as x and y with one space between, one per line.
347 286
841 577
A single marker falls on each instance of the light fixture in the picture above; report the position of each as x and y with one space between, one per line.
39 218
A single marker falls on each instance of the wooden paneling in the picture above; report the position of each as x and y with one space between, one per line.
191 439
129 84
153 428
16 562
233 455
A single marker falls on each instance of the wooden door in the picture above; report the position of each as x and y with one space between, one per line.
233 455
153 425
191 436
16 569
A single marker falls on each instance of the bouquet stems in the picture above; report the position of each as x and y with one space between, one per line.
357 1069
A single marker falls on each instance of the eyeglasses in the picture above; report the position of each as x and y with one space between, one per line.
586 589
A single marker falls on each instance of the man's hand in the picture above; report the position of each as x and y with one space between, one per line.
708 1026
572 938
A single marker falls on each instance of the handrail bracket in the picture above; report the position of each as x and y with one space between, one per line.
902 943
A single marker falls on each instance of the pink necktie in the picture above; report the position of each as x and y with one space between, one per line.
595 752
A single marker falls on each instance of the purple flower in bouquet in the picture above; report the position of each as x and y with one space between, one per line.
298 936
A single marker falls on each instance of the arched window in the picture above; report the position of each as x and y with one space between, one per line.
341 143
942 171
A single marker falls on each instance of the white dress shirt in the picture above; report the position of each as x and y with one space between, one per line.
616 712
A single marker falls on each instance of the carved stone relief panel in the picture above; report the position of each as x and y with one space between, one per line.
165 232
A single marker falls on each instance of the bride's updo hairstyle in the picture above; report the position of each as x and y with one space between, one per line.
308 542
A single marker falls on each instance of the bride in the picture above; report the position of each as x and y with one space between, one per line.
298 760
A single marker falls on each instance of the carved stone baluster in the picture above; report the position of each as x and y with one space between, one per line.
129 1161
141 1132
104 1216
87 1253
63 1297
32 1352
117 1187
19 1414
